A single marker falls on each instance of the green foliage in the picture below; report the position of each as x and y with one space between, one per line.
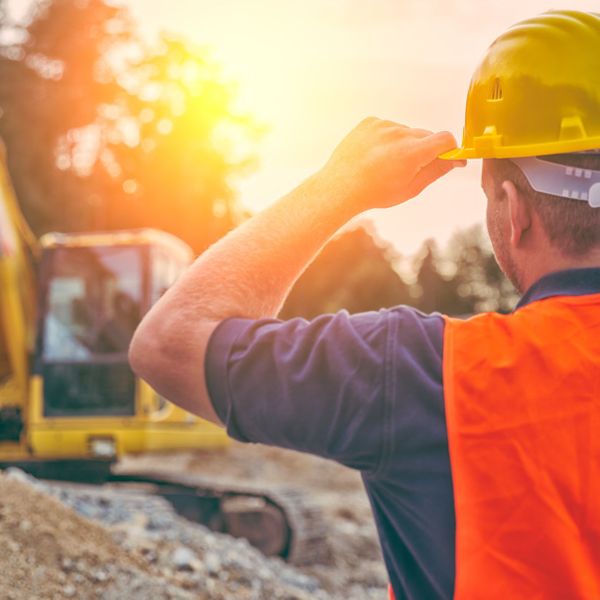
104 132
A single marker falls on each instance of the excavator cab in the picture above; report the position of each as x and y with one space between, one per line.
85 400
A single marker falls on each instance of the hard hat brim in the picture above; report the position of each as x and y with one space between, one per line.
499 151
457 154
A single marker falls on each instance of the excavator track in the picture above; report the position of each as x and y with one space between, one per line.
279 521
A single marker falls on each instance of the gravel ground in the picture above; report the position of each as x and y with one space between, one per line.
69 540
357 571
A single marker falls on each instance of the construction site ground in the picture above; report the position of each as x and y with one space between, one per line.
63 543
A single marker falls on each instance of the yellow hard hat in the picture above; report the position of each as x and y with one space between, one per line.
537 90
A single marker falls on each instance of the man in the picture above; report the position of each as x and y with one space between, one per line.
478 440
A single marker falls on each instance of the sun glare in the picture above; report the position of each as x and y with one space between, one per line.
310 71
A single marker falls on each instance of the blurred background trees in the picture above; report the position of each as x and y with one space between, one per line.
359 272
354 271
106 130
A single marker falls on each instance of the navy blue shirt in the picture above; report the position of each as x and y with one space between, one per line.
365 390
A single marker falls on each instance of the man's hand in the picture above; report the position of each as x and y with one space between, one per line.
382 163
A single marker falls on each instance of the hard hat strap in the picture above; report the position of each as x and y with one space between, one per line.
561 180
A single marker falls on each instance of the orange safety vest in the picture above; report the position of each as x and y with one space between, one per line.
522 397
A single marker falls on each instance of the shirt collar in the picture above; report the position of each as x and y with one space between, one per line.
574 282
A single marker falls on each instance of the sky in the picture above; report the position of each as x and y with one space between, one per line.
312 70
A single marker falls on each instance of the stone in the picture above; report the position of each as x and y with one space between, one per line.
212 562
25 525
100 575
183 559
67 564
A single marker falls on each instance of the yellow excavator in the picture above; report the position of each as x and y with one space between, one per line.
68 306
70 406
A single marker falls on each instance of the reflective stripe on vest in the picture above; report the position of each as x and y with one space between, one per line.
522 395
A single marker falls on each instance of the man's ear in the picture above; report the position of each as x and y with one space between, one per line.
519 213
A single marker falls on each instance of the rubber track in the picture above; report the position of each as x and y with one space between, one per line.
308 543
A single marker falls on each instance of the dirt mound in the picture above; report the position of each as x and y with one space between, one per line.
130 546
50 552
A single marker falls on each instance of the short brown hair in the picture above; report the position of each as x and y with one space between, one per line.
572 226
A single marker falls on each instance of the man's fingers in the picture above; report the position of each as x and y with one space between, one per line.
432 146
400 131
428 174
419 133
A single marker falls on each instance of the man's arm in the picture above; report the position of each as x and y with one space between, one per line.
250 271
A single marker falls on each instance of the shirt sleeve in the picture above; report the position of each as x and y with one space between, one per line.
320 386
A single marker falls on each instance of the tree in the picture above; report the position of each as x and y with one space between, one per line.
105 132
464 279
435 291
354 271
478 278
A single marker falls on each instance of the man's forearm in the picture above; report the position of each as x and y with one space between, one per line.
250 271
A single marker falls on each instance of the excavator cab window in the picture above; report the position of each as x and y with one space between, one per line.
93 299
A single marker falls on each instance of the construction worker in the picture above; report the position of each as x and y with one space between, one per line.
478 440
